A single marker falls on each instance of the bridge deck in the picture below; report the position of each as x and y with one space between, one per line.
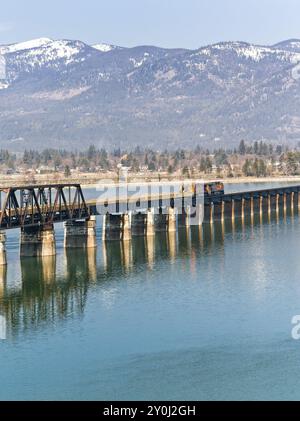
39 208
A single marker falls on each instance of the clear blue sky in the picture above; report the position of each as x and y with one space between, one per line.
169 23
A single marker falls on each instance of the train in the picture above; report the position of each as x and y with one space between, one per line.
215 188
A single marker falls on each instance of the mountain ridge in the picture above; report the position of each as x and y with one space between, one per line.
69 93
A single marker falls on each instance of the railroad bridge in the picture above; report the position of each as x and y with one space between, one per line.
35 209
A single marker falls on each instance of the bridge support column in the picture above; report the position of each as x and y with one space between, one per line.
218 211
284 203
252 207
228 209
172 217
3 259
150 223
269 205
160 221
261 199
265 204
126 227
116 227
206 216
200 213
212 214
238 208
292 200
232 210
243 208
37 241
272 204
111 227
138 224
80 234
247 206
277 203
184 218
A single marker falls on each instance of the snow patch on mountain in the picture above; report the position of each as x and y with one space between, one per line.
52 52
139 63
104 48
255 53
3 85
290 45
27 45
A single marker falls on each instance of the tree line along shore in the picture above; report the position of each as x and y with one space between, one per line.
247 162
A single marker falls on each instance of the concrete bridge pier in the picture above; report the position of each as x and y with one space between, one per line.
138 224
219 211
233 210
3 258
150 222
212 213
172 219
126 226
116 227
161 221
243 208
261 204
289 201
266 204
292 200
284 203
292 203
80 234
252 207
269 204
227 209
297 201
255 205
238 208
200 211
277 203
247 206
272 203
184 217
37 241
206 217
223 211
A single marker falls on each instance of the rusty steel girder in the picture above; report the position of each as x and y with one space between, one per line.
34 205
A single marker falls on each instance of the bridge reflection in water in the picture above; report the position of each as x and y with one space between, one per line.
56 288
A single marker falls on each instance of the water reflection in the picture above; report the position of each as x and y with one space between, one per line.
81 263
49 294
3 280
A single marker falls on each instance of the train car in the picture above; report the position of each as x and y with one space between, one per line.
215 188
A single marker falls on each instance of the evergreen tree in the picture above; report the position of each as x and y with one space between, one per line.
67 171
242 147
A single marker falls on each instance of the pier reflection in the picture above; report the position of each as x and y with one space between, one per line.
3 280
55 289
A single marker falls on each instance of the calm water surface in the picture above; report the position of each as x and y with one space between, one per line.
200 314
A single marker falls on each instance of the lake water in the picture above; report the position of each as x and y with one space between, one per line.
199 314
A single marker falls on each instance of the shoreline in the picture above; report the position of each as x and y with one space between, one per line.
90 181
237 180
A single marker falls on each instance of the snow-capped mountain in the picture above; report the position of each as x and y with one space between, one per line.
67 93
105 48
289 45
27 45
